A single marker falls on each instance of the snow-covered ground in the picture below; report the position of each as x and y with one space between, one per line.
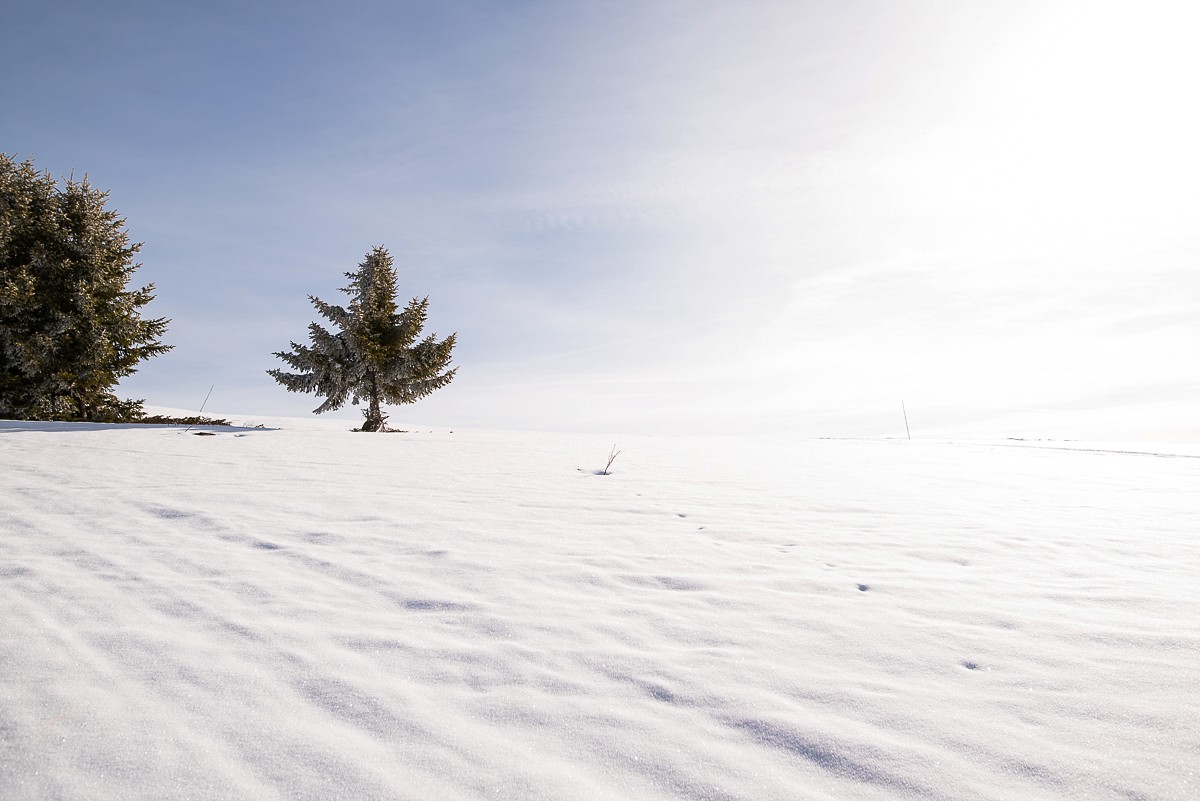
309 613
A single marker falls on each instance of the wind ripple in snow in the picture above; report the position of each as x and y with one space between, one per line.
317 614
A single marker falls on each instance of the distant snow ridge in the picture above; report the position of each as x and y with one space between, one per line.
308 613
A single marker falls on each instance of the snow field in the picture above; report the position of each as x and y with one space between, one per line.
309 613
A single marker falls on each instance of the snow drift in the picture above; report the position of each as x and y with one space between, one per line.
310 613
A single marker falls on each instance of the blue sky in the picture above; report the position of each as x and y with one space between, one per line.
659 216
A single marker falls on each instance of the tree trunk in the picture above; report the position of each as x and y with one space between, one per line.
375 417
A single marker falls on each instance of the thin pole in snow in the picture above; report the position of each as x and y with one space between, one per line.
202 405
209 395
905 411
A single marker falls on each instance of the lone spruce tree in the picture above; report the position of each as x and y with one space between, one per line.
374 355
70 328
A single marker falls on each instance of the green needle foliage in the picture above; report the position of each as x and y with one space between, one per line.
375 354
70 328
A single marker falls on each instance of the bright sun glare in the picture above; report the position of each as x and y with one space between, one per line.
1094 106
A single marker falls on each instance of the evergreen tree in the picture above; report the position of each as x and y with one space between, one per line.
70 328
374 355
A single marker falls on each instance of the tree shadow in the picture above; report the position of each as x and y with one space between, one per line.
12 426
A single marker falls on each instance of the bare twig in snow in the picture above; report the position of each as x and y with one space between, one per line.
612 457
